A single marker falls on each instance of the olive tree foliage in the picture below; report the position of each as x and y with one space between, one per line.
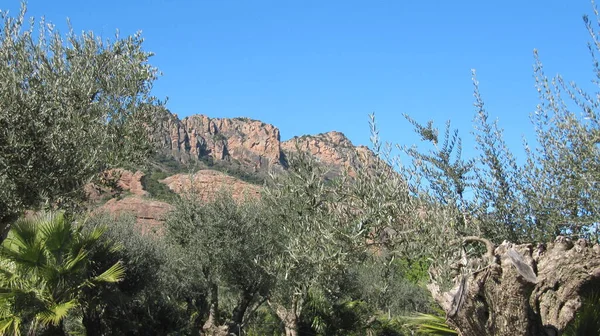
222 244
438 201
70 107
467 215
449 208
148 300
315 237
564 168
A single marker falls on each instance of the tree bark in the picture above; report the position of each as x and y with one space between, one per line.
237 318
288 316
522 290
211 326
5 223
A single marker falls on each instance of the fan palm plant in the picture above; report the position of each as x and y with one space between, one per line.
430 324
45 266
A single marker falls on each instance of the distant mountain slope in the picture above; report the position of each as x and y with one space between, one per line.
333 149
210 154
250 145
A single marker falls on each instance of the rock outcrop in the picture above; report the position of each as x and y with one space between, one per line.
251 143
150 214
333 149
114 182
130 181
208 183
239 145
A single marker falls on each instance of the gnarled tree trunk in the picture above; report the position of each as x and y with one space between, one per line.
289 316
237 318
211 327
240 314
522 289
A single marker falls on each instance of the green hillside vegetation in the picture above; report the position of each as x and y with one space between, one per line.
351 255
169 165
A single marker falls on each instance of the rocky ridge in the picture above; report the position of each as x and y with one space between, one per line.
251 144
229 145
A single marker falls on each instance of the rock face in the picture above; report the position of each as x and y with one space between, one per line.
130 181
208 183
333 149
250 142
150 214
236 144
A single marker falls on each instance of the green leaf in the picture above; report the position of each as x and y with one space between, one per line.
115 273
56 232
430 324
10 326
56 313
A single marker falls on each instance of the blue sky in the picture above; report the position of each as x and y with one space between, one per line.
314 66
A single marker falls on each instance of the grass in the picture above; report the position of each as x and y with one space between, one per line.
587 320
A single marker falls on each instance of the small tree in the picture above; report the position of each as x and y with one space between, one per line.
148 298
223 243
315 239
69 109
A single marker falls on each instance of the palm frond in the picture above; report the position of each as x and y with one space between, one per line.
6 274
29 258
115 273
10 326
84 239
56 313
95 234
55 231
44 264
23 232
75 260
25 243
430 324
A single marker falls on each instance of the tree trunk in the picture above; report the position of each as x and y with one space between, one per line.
211 327
237 318
522 290
289 316
291 329
5 222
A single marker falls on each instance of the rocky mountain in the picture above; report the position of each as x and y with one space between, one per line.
333 149
134 198
250 144
210 154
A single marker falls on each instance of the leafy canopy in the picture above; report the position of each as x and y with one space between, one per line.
69 108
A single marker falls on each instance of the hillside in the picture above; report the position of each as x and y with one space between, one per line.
210 154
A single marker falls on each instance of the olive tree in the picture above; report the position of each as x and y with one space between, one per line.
513 248
70 107
222 243
315 237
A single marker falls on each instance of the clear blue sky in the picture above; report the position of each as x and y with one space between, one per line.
313 66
